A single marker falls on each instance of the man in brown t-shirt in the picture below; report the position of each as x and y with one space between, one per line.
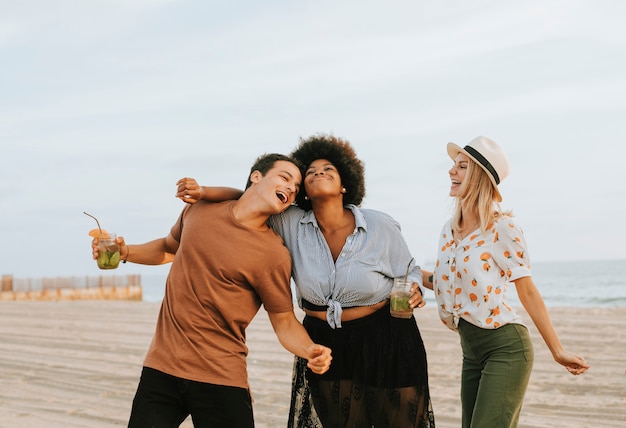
226 262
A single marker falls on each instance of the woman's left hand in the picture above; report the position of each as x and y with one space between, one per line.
575 364
188 190
416 300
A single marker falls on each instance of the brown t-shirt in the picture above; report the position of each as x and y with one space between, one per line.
222 273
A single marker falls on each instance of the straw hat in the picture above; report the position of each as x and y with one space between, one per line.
488 155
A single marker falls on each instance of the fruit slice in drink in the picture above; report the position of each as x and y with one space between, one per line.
399 304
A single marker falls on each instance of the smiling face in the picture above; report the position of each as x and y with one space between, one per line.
322 178
280 184
457 173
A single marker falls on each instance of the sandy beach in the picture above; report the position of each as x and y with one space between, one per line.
76 364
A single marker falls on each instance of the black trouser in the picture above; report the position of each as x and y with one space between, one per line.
164 401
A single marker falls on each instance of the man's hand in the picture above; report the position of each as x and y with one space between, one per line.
118 240
319 358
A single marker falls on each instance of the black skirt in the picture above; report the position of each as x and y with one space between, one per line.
378 374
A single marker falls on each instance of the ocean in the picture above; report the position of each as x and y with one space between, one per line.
566 284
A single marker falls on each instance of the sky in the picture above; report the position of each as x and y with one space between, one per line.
105 104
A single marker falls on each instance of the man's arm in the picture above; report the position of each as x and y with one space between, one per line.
157 252
296 340
188 190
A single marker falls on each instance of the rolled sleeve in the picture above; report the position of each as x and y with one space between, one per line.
510 250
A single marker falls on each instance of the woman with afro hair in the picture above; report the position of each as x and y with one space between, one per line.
344 261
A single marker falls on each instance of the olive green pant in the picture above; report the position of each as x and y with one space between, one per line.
496 368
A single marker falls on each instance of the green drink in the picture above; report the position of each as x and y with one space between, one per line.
108 253
399 298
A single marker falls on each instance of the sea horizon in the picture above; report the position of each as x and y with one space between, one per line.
598 283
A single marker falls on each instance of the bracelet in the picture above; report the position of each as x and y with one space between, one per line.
127 254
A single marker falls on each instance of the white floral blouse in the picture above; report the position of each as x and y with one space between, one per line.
472 276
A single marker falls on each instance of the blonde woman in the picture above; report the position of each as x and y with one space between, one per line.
482 251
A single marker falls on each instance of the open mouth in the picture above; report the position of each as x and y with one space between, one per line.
283 197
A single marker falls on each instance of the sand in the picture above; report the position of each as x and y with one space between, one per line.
76 364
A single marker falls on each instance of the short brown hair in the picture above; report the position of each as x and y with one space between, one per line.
266 162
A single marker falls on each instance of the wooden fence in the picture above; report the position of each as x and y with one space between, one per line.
113 287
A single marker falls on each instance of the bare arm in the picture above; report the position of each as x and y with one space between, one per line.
157 252
296 340
533 303
427 279
188 190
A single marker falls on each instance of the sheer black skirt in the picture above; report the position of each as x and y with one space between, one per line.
378 376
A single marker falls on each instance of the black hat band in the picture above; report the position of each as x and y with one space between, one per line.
484 162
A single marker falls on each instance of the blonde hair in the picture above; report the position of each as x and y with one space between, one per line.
477 197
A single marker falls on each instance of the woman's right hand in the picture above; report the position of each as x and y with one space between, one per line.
188 190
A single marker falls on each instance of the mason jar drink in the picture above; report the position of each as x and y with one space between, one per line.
399 298
108 252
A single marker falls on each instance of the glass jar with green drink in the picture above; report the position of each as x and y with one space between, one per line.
108 252
108 249
399 298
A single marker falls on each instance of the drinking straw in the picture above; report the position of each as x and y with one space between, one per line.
98 223
406 275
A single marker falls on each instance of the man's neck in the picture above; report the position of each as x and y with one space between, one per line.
248 215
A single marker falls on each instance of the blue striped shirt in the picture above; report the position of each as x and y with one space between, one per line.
372 256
